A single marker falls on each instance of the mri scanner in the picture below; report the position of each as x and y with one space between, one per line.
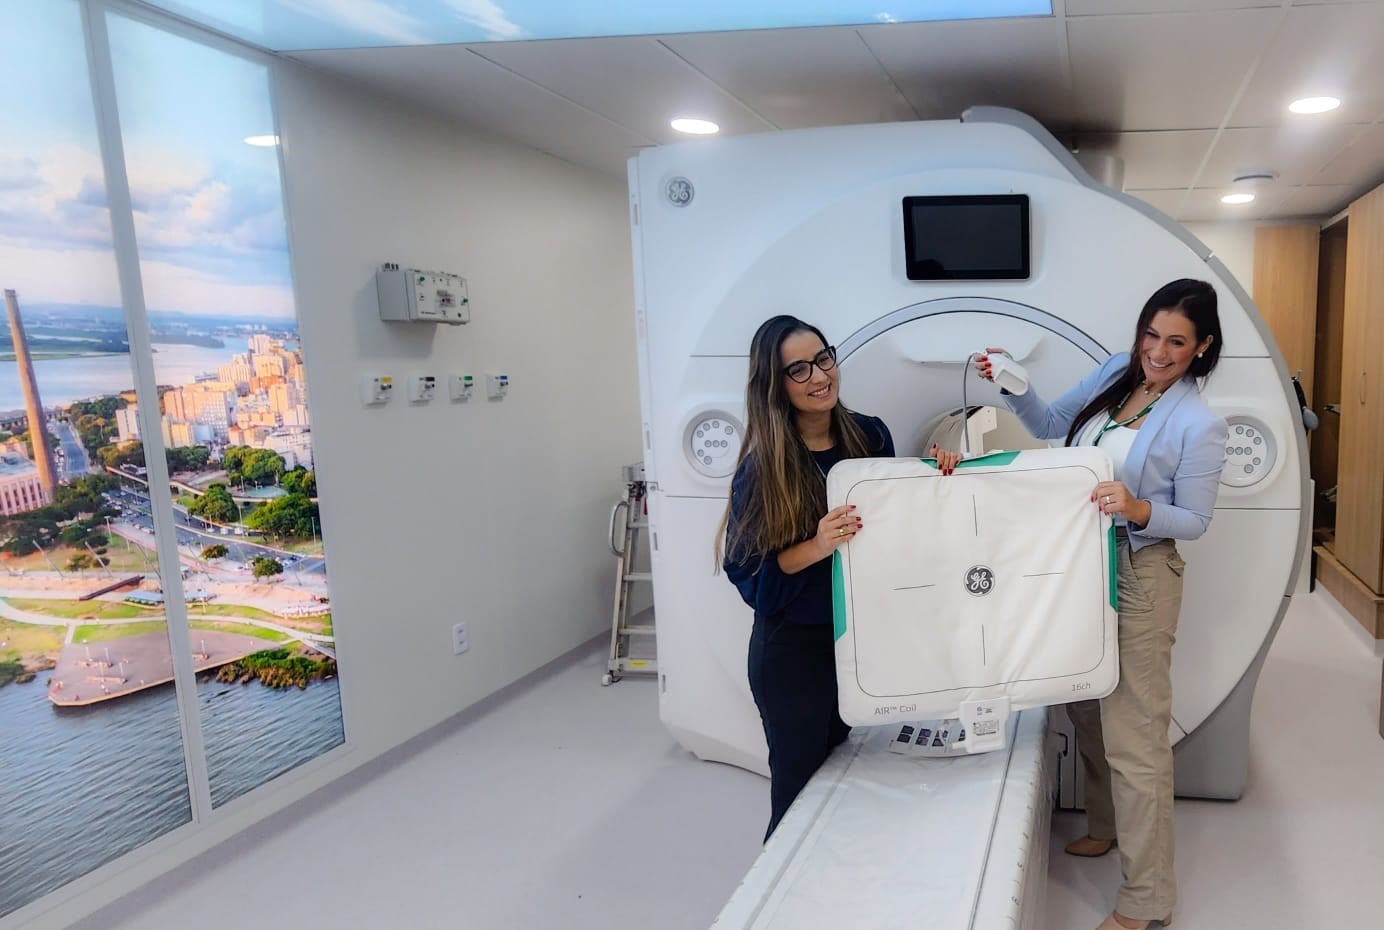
729 232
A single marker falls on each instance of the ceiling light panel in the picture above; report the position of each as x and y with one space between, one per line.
1314 104
295 25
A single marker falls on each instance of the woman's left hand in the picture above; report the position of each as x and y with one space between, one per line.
946 459
1113 498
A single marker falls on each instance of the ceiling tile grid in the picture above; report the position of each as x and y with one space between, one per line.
596 74
1294 152
798 78
1332 50
943 68
472 90
1166 71
1187 93
1166 159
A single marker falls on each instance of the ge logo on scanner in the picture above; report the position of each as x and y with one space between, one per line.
680 192
979 580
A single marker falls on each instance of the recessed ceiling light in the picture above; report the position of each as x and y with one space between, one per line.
697 127
262 141
1237 198
1314 104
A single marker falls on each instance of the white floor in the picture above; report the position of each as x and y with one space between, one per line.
566 805
1304 848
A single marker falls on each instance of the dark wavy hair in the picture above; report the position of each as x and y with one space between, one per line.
1196 300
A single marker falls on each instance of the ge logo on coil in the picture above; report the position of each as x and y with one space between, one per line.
979 580
680 192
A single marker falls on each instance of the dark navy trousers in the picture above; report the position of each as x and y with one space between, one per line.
793 679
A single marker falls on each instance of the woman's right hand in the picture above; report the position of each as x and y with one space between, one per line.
837 527
983 363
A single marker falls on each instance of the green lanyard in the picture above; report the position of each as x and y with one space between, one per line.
1111 423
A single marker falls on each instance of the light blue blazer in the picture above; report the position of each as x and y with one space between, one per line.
1175 462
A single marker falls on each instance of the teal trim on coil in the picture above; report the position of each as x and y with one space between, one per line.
994 458
1114 572
838 597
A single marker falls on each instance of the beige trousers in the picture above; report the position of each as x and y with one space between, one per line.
1124 738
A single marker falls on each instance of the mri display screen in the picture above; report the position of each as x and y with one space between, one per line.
973 236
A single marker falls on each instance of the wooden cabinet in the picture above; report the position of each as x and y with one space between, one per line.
1285 291
1360 464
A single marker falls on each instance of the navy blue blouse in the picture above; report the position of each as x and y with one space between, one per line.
806 596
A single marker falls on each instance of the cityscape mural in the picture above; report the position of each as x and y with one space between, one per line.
91 753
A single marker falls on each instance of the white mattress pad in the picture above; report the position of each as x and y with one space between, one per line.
883 841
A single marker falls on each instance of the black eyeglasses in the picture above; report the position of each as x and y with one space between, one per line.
801 371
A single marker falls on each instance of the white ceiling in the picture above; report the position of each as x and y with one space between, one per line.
1188 93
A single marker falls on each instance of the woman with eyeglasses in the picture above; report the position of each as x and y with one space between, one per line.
1144 408
779 538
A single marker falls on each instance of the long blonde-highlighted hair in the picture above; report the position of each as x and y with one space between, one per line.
787 493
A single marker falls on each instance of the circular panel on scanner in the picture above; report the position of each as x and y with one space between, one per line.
711 443
1250 451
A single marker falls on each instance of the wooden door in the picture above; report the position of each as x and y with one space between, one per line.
1360 467
1285 291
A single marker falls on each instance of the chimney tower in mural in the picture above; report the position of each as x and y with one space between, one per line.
38 426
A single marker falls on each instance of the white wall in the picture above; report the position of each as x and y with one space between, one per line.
492 513
1233 244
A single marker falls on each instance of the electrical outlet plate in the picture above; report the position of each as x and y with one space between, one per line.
459 387
422 388
460 641
376 390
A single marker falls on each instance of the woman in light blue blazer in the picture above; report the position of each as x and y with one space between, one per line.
1144 408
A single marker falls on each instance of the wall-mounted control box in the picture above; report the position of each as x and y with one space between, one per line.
408 294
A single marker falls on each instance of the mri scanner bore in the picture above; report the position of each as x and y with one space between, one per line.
808 222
